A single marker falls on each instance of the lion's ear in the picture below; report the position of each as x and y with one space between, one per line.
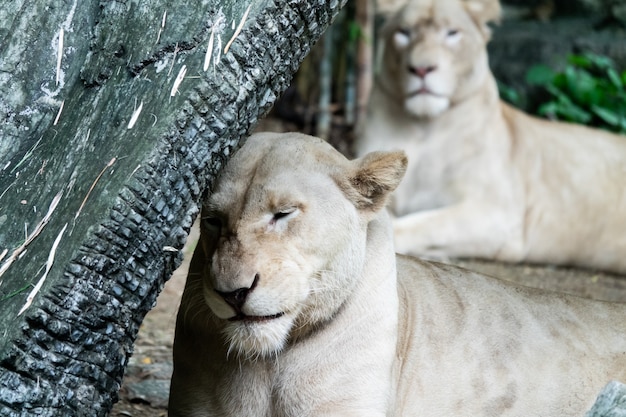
388 8
373 178
483 12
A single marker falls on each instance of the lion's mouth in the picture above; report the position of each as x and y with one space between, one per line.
255 319
421 92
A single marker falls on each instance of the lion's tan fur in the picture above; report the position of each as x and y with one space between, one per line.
364 334
484 179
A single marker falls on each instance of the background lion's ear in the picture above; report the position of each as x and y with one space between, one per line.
483 12
373 179
388 8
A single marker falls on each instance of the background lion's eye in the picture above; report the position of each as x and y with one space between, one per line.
453 36
404 31
401 38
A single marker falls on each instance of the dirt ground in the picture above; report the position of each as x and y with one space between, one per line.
146 383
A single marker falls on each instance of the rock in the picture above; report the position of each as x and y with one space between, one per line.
611 402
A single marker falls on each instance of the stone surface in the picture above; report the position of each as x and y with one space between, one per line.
611 402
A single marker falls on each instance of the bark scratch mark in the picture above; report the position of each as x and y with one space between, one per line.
238 31
59 55
209 52
178 80
176 49
16 253
111 162
49 262
56 119
135 116
162 26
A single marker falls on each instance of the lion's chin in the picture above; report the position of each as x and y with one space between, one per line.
254 339
426 105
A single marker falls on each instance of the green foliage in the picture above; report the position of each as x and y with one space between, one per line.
590 90
509 94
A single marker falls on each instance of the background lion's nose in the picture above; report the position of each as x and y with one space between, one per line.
422 71
237 298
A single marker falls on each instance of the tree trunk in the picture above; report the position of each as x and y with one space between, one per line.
115 120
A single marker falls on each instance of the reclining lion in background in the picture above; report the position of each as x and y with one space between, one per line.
296 306
484 179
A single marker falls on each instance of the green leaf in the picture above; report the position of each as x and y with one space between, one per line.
580 84
548 110
589 90
557 93
16 292
589 60
573 113
354 32
608 115
601 62
582 61
559 80
615 78
539 75
508 94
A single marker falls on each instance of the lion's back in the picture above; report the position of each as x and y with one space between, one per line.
470 344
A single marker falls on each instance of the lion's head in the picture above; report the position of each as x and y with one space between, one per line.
284 233
435 53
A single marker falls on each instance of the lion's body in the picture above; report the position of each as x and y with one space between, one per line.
333 324
484 179
476 346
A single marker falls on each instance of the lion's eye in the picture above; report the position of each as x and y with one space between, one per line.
282 214
212 222
453 36
401 38
406 32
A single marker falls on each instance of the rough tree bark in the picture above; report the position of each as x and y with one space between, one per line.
107 145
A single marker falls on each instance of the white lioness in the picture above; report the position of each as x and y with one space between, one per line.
484 179
296 305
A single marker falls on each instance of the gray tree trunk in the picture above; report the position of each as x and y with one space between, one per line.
106 149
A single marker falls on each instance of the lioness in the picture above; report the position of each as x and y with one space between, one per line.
296 305
484 179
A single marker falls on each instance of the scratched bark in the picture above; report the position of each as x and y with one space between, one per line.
107 146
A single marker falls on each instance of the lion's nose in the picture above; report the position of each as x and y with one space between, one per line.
422 71
236 299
